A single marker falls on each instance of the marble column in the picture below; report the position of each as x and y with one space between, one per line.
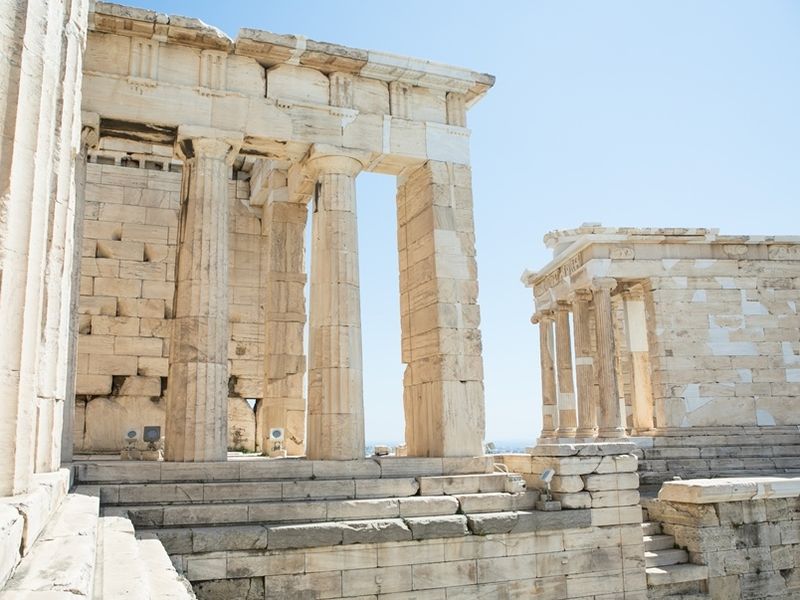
567 414
30 33
636 332
335 386
547 361
584 364
197 393
611 422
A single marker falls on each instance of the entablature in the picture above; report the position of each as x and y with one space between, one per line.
146 74
630 255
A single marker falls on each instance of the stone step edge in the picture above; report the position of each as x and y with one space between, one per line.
121 572
63 558
361 531
658 541
283 469
110 496
332 497
334 510
163 580
682 573
665 557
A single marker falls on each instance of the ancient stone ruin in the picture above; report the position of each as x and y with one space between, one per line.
157 180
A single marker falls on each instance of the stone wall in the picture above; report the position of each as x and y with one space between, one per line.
575 563
725 341
747 531
126 303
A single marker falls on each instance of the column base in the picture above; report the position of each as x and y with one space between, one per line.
589 432
612 433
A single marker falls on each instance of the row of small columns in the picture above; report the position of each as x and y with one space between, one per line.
590 417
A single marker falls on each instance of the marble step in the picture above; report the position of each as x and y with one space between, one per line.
264 469
199 552
671 574
496 502
667 557
120 572
149 516
651 528
178 515
253 538
163 581
465 484
252 491
653 543
62 560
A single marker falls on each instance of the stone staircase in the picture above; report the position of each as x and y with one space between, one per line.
728 452
82 555
670 575
200 511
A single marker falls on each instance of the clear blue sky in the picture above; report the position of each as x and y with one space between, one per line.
670 113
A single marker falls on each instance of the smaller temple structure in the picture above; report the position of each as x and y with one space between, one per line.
681 334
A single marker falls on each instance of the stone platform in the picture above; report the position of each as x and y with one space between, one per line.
256 528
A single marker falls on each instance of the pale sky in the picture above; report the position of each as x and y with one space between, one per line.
628 113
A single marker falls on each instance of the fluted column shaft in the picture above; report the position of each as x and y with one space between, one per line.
547 360
584 364
197 394
335 385
611 420
567 417
636 332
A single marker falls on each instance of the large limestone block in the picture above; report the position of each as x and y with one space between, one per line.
437 526
570 465
246 588
447 574
387 580
621 481
309 585
108 420
363 509
375 531
241 537
532 521
499 522
427 506
305 536
289 82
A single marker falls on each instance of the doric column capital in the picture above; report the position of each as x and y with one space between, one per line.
632 292
336 160
563 306
604 283
581 295
208 142
543 316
